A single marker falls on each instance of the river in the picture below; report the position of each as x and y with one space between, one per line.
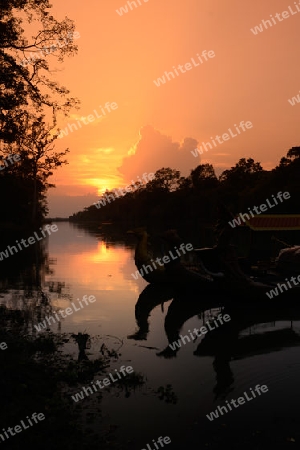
182 388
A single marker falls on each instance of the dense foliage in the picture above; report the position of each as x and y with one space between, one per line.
29 103
194 199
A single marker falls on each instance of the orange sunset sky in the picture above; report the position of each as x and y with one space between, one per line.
250 78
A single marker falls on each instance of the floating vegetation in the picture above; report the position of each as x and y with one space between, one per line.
131 382
167 394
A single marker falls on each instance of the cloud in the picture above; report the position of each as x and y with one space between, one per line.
155 150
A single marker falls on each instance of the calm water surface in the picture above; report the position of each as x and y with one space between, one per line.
84 263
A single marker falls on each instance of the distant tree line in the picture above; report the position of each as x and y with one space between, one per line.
170 199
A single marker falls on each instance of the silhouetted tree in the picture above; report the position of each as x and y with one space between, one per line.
204 177
166 179
243 172
24 78
38 159
171 200
28 96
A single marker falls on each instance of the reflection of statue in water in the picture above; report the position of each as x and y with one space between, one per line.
219 343
227 344
153 295
188 302
224 375
182 309
224 343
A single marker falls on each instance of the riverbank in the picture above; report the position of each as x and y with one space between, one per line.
36 376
